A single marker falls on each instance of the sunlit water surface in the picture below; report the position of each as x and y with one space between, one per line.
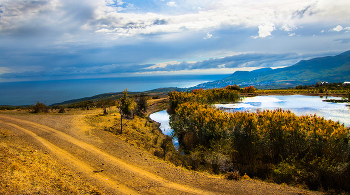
162 117
298 104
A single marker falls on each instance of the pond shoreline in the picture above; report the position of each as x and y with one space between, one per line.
306 94
156 105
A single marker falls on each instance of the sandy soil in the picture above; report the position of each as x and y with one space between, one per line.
118 167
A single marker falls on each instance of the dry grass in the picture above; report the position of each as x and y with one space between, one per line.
24 170
137 131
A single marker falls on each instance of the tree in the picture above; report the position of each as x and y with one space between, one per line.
125 105
141 106
166 143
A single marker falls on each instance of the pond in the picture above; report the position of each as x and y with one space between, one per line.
162 117
298 104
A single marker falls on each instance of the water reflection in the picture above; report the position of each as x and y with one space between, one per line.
162 117
298 104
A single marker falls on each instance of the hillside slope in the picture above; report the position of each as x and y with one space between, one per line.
330 69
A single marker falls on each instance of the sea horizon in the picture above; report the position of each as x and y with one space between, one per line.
56 91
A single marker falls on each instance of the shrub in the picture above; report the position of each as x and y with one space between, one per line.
285 173
232 175
62 110
249 89
233 87
245 176
39 107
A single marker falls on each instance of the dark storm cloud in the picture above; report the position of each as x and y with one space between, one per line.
343 41
237 61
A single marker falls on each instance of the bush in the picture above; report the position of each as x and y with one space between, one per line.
39 107
232 175
249 89
62 110
285 173
233 87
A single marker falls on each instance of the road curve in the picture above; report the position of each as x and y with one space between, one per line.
106 179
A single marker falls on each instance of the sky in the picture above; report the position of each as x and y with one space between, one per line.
65 39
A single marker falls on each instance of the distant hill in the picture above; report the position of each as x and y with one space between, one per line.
117 95
306 72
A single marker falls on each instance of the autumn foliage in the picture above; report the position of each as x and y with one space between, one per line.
249 89
208 96
277 144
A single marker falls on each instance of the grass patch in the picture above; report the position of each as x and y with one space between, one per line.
139 132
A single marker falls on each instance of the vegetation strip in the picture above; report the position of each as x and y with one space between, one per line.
302 150
115 160
81 166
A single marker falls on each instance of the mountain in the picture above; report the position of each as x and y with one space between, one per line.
306 72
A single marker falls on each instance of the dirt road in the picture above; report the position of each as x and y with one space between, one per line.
118 167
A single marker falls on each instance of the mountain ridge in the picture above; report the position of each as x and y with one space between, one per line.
305 72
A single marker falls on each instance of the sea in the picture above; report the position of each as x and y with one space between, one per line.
57 91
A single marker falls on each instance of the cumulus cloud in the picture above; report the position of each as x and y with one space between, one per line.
337 28
116 17
288 27
265 30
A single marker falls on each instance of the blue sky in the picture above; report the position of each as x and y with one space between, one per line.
64 39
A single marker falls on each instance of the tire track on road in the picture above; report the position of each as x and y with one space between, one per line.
122 164
81 166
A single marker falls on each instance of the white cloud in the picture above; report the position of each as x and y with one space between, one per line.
337 28
107 18
322 31
288 27
208 36
286 15
291 34
120 2
171 4
265 30
112 2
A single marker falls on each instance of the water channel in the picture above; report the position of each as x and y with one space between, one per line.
298 104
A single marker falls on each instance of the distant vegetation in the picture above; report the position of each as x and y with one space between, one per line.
279 145
318 88
209 96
